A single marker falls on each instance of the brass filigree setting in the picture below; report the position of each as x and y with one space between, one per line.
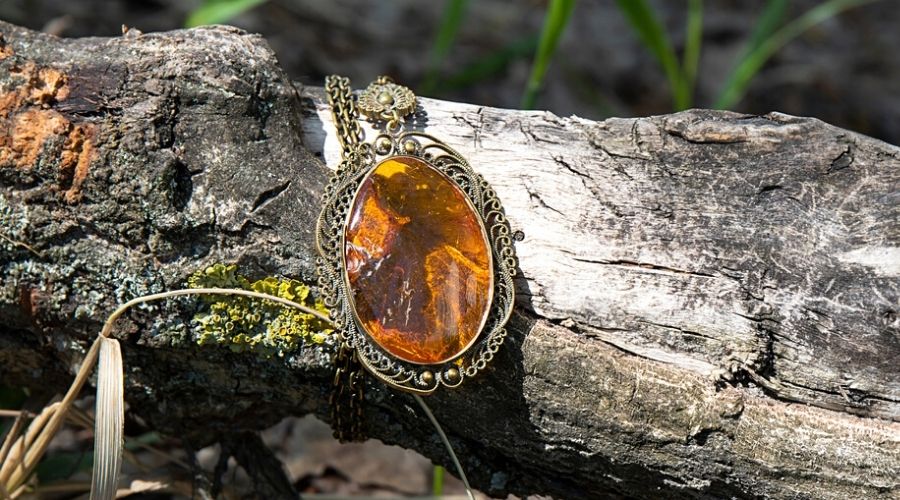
386 100
359 160
339 196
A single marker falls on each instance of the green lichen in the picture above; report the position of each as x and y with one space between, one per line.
264 327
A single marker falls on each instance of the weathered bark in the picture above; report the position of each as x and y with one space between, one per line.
707 304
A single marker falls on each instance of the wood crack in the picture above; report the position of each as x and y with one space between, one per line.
630 264
269 195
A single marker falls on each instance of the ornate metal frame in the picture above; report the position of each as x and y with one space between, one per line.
338 199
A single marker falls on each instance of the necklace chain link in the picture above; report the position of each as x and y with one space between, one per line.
387 104
345 113
347 389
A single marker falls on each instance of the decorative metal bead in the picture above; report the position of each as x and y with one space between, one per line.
385 98
410 146
383 145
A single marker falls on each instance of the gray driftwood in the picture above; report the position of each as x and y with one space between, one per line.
708 302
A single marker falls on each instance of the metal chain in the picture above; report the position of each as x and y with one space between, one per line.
347 396
347 389
344 112
393 103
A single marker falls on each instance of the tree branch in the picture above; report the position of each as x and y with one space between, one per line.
707 302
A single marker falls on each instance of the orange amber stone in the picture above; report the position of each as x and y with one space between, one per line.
417 262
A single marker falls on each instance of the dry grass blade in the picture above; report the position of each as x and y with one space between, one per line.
18 450
108 421
27 450
38 424
110 418
11 436
164 455
16 413
108 326
443 436
61 487
79 417
42 430
19 491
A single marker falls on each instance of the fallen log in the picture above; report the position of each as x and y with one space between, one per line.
707 303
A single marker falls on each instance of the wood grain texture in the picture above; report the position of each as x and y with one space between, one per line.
764 246
707 305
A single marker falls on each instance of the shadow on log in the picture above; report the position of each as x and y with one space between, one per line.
708 302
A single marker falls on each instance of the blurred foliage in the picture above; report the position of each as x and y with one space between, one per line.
219 11
264 327
61 465
770 34
454 14
766 41
558 14
56 466
488 66
11 398
651 33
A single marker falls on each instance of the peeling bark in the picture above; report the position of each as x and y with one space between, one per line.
707 305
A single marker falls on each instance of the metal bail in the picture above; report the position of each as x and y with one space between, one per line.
385 100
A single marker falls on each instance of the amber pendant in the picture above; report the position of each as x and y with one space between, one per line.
417 262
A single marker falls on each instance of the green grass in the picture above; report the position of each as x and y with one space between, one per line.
769 35
772 17
557 18
454 14
488 66
767 38
219 11
766 41
654 38
691 57
437 482
682 77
